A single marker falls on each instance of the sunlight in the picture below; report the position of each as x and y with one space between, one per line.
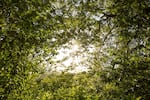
73 57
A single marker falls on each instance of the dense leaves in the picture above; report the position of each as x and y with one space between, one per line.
119 29
25 25
130 64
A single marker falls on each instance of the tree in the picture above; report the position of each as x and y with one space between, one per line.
120 28
25 27
129 68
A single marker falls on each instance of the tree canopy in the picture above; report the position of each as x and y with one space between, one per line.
119 30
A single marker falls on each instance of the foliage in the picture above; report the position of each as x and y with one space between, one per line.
121 29
66 86
25 28
130 64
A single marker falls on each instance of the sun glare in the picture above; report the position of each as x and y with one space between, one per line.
71 57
